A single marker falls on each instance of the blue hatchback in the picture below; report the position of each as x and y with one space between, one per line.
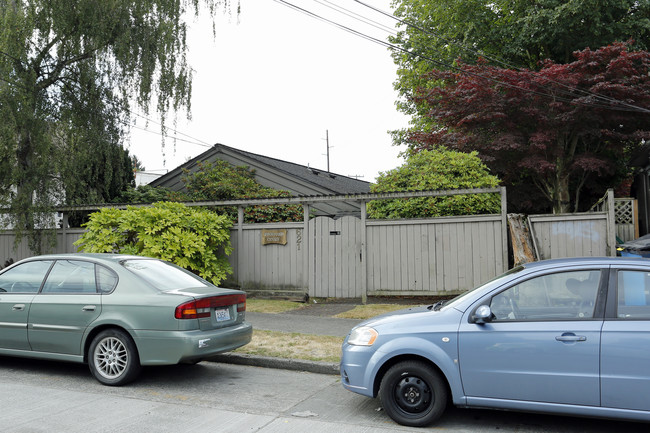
568 336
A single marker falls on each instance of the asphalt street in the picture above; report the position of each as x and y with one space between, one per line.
46 396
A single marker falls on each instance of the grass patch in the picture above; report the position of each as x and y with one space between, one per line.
271 305
371 310
294 346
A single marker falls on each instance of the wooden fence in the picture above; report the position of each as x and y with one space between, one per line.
435 256
64 241
355 257
590 233
424 257
626 214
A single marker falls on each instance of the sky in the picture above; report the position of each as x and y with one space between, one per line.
276 82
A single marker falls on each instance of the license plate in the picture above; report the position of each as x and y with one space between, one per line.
222 314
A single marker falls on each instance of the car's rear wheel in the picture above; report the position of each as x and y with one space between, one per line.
113 358
413 394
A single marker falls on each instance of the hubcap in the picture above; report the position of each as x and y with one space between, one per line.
111 357
413 395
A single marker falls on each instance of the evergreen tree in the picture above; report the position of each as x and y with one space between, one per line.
69 71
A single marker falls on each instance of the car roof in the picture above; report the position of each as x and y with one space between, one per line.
109 257
577 261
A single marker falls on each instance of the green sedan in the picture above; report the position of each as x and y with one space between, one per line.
116 313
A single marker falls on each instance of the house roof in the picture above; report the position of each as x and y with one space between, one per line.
322 181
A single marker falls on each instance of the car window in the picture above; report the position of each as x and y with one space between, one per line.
494 281
633 295
71 276
25 277
106 279
162 275
559 296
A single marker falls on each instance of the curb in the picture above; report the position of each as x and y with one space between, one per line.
279 363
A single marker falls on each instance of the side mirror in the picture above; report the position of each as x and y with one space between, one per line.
482 315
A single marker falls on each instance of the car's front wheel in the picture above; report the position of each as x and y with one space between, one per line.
113 358
413 394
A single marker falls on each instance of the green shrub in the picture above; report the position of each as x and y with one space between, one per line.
149 194
438 169
190 237
219 180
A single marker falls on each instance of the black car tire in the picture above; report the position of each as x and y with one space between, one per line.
413 394
113 358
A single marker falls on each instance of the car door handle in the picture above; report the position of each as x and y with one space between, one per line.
571 337
18 307
89 308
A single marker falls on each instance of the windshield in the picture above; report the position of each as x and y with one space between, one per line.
494 280
162 275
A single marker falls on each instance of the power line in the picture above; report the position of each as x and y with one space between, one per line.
448 66
357 16
168 136
192 140
196 140
429 32
499 61
340 26
395 47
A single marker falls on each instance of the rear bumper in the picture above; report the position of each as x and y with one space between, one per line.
173 347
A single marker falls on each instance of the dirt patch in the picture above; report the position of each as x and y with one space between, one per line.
294 346
334 306
328 309
407 300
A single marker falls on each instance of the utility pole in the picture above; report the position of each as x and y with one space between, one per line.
327 143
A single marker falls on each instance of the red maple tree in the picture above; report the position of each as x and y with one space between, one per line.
560 129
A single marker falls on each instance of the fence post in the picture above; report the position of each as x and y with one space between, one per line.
611 223
64 233
240 243
364 256
504 229
306 268
635 218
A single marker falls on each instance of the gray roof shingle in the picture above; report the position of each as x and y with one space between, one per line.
332 182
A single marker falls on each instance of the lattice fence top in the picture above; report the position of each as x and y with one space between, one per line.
624 211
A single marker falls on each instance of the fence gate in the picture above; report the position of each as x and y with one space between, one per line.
335 257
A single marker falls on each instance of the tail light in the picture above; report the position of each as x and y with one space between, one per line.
204 306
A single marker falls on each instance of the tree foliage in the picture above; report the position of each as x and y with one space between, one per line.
149 194
565 128
520 33
69 70
222 181
436 169
93 175
190 237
